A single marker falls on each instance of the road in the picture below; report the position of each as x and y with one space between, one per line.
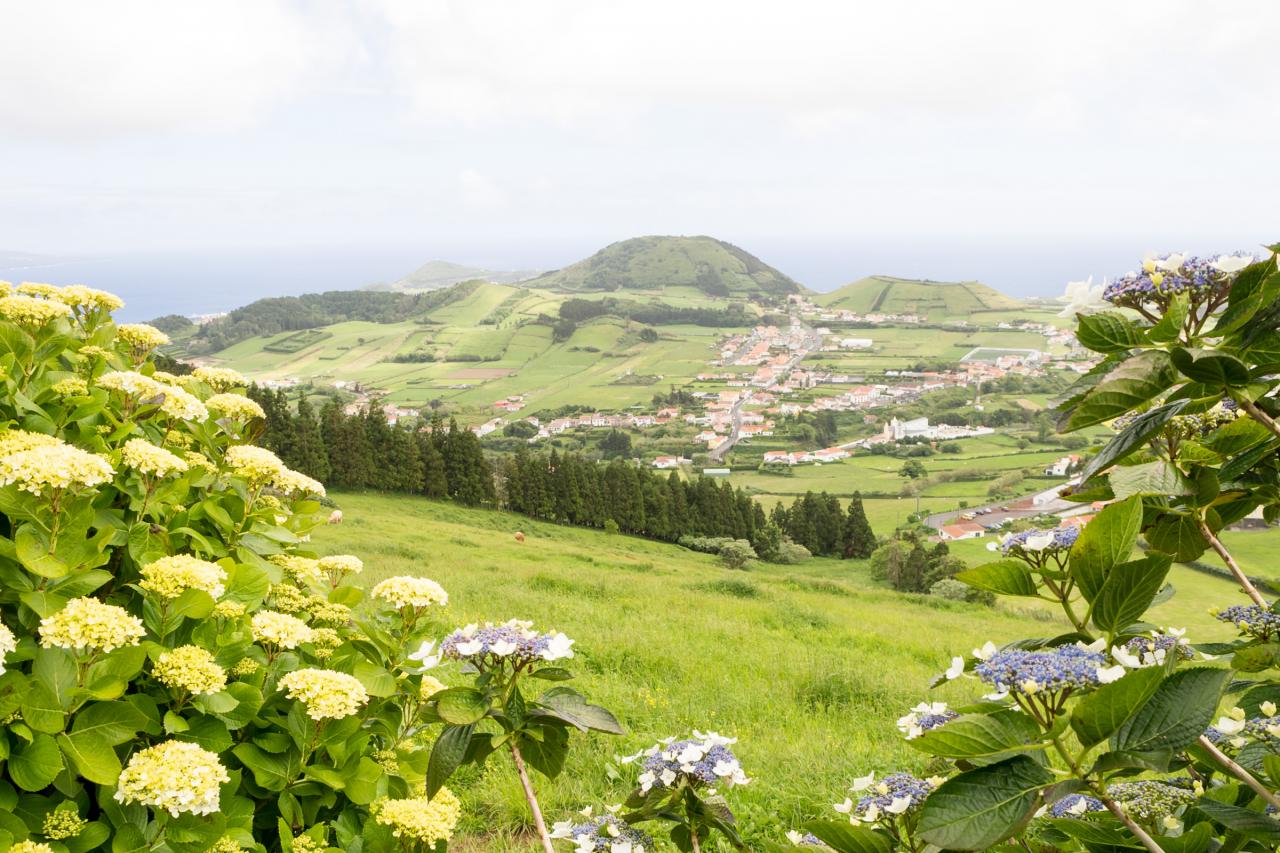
812 340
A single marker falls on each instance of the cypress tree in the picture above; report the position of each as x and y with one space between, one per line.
308 452
859 540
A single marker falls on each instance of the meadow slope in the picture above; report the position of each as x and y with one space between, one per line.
808 665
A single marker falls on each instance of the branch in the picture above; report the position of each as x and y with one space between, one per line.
1236 571
531 799
1239 772
1260 416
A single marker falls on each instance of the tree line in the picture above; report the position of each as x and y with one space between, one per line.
443 460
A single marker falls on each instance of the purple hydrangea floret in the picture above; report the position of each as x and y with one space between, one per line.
1252 619
602 834
1023 672
1074 805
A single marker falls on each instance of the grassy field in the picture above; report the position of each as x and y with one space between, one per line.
671 641
480 362
933 299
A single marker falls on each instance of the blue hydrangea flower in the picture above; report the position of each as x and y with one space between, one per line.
1074 805
1058 670
1154 650
1251 619
492 645
804 839
603 834
893 796
1037 540
703 760
1163 278
924 717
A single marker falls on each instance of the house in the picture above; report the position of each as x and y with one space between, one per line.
777 457
831 454
706 435
962 530
488 427
670 461
1062 467
855 343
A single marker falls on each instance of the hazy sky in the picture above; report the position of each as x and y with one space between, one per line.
1019 142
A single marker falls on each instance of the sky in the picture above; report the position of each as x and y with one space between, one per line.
1023 144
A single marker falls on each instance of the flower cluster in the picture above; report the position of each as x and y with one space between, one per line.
704 759
220 379
72 386
337 566
1074 805
1235 724
1055 670
286 598
175 776
170 577
8 643
1163 278
804 839
280 629
1036 541
145 457
30 847
1252 619
328 695
924 717
513 641
30 312
87 623
603 834
228 610
419 818
302 570
54 468
894 795
1154 650
17 440
257 465
140 337
234 406
1148 801
405 591
81 298
190 668
296 484
63 822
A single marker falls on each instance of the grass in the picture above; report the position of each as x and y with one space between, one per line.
935 300
672 641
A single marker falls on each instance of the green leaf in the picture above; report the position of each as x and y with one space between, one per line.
1109 707
1135 434
1244 821
1255 287
461 706
973 736
1236 437
552 673
1003 577
1177 713
841 837
41 709
92 756
1107 332
113 722
982 807
1170 325
446 756
1151 478
1178 536
1210 367
547 753
272 772
1129 590
1105 542
362 777
569 705
35 765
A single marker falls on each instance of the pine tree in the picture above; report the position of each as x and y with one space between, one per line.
434 482
859 540
308 452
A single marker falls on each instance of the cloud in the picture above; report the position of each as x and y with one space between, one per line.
88 70
479 192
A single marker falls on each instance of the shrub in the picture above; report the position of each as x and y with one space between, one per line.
951 589
790 553
737 553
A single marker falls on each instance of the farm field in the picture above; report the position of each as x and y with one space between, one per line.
934 300
897 347
661 634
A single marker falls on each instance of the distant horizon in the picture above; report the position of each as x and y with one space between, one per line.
216 279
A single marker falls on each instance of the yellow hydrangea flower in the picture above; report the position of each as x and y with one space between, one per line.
143 456
8 643
421 819
227 844
220 378
54 467
72 386
129 382
327 695
296 484
286 598
244 666
140 337
404 591
16 440
30 847
36 288
234 406
170 577
257 465
328 612
175 776
280 629
79 296
228 610
299 569
87 623
30 312
190 668
431 686
63 822
196 459
338 566
181 405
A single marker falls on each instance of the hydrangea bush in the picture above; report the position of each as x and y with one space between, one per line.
178 672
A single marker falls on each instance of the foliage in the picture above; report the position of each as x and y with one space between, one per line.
737 553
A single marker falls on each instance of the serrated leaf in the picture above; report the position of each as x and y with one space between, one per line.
1247 822
1177 713
1107 332
1178 536
1129 590
1106 709
1135 434
982 807
971 736
446 756
1158 478
35 765
1003 577
1105 542
841 837
461 706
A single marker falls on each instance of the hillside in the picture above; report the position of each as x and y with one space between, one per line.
434 275
934 299
658 264
850 655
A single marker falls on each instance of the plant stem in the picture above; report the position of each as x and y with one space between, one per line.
1260 416
1111 805
1239 772
693 841
1236 571
532 799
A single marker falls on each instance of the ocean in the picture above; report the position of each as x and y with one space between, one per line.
205 282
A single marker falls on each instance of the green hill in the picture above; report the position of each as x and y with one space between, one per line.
434 275
703 264
936 299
